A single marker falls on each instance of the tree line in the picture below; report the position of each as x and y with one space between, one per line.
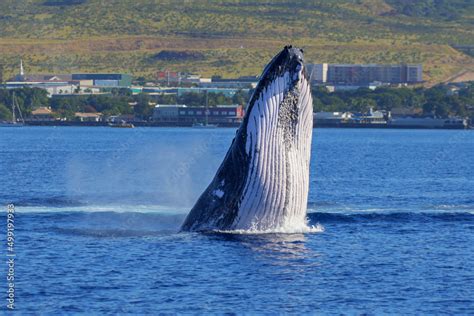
117 102
437 101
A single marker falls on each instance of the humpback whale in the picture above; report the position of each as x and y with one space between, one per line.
263 182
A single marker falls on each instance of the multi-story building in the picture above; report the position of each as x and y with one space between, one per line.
187 115
358 74
318 72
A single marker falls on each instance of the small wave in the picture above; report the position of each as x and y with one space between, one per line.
111 233
158 217
159 209
456 207
109 224
51 202
389 217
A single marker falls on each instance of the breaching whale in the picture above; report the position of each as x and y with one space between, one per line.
263 182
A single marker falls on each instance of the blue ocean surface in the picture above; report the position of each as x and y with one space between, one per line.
97 213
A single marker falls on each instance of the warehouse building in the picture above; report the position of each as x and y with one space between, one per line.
103 80
187 115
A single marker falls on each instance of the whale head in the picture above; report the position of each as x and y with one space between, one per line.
283 94
288 64
263 182
290 60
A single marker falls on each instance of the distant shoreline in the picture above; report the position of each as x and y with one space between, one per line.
235 125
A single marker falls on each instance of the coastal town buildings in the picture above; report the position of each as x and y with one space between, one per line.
182 114
179 91
386 119
363 74
334 77
427 122
331 117
173 79
337 118
88 117
69 84
103 80
244 82
42 114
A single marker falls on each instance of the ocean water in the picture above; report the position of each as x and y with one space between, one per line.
97 212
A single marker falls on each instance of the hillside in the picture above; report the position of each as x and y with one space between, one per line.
231 37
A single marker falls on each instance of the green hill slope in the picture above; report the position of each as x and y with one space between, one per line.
231 37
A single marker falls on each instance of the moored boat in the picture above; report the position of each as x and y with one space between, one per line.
14 122
122 124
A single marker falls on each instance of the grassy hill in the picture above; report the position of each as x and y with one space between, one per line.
231 37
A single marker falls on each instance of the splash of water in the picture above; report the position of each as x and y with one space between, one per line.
294 228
